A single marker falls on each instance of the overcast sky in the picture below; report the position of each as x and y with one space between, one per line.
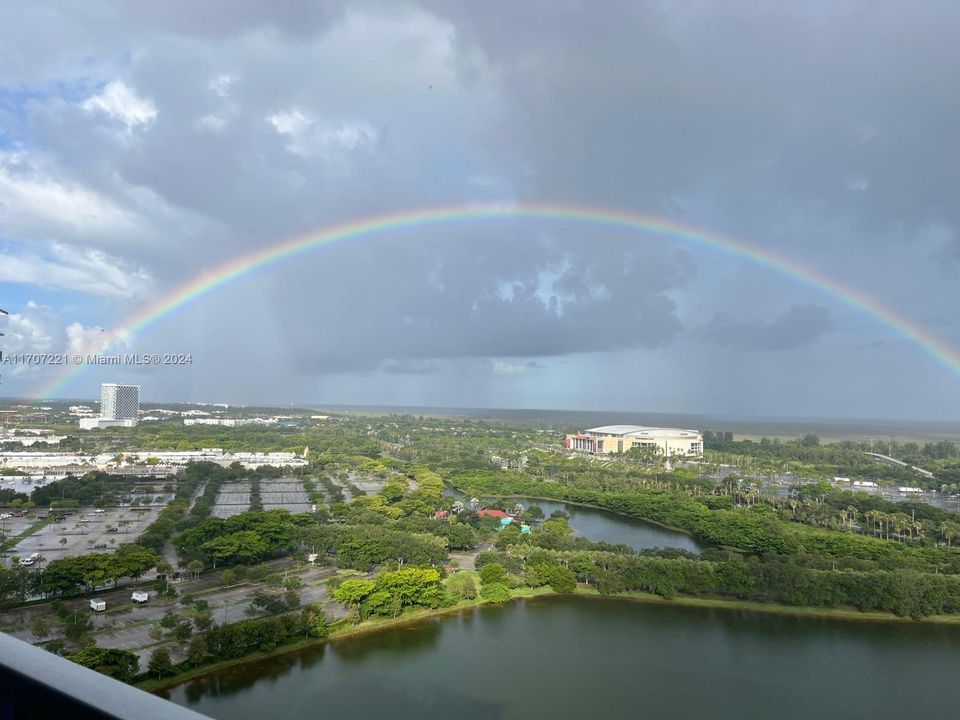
144 143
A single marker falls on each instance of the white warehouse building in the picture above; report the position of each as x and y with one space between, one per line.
609 439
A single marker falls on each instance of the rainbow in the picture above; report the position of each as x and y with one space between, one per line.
238 268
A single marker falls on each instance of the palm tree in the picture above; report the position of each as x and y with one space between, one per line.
195 567
900 523
853 513
918 528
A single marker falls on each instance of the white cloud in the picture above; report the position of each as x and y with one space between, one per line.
214 123
309 136
33 330
222 83
83 340
34 202
38 328
83 270
120 103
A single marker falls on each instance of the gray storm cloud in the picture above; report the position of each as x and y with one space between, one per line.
796 327
192 134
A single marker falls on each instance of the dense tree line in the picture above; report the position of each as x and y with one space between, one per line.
7 496
903 592
393 591
120 664
755 529
73 574
242 539
845 458
85 490
235 640
366 546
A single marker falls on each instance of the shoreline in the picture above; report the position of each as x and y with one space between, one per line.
418 617
681 531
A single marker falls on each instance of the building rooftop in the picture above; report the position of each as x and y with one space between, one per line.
635 430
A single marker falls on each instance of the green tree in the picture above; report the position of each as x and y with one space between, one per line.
120 664
198 650
203 620
353 591
40 628
492 573
495 593
77 628
315 621
160 663
182 631
195 567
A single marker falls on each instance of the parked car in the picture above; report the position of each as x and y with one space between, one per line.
98 605
100 546
140 596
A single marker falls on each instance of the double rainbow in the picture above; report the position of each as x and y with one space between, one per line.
266 257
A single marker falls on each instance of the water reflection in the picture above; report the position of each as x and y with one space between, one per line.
407 640
569 656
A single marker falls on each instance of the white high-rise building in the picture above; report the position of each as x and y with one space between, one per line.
119 402
119 407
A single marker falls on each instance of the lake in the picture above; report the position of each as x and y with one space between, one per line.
602 525
567 657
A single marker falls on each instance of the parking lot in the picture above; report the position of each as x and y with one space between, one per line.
369 485
81 532
233 499
286 493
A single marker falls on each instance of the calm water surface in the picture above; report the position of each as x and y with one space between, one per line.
602 525
569 657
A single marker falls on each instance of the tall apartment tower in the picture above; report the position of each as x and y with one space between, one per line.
120 402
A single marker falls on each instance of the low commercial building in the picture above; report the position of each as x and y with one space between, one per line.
230 422
611 439
98 423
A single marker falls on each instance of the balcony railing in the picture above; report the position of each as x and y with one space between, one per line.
37 684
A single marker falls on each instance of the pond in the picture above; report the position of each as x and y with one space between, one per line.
602 525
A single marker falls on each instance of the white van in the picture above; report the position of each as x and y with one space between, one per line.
98 605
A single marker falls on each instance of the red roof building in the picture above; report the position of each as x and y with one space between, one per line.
441 515
498 514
